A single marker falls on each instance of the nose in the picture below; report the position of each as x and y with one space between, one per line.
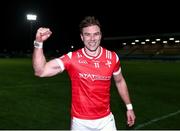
92 37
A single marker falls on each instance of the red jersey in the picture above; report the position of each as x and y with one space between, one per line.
90 80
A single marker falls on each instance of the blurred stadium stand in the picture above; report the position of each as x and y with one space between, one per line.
159 46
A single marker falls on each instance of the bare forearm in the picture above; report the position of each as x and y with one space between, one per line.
39 61
123 91
122 88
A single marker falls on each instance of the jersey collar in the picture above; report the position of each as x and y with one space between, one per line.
91 57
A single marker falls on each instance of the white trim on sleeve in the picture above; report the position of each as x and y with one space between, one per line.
60 63
117 72
117 58
70 55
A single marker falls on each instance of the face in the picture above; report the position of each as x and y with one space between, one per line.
91 36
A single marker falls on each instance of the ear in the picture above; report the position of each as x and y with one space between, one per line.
81 37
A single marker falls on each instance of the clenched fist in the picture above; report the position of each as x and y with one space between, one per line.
43 34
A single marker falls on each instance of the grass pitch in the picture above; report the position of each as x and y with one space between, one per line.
29 102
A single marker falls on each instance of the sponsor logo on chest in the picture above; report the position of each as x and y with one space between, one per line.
94 77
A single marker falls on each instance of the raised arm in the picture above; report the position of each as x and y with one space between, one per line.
42 68
123 91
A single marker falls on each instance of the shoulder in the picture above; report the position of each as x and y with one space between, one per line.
107 50
77 52
110 53
73 54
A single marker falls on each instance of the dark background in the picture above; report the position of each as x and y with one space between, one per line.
62 17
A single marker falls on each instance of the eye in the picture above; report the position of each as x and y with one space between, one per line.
97 34
86 34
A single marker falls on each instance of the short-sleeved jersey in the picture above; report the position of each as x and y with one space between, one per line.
90 80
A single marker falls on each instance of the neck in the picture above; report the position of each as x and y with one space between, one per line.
93 53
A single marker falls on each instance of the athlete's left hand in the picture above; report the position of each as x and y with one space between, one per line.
130 118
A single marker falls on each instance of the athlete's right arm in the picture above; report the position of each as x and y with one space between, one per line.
42 68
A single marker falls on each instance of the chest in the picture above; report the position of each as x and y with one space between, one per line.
94 66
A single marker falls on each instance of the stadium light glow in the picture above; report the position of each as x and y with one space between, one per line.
171 38
31 17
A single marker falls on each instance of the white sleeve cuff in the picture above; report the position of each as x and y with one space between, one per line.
60 63
117 72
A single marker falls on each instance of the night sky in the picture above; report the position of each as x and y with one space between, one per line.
117 19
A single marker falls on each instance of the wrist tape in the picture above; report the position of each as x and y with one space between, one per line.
129 106
38 44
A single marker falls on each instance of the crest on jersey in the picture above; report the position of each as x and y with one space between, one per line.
108 63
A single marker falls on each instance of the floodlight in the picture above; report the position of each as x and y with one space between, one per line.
31 17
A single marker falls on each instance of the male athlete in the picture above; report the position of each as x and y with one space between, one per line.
90 70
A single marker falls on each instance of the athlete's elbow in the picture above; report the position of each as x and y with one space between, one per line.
39 74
